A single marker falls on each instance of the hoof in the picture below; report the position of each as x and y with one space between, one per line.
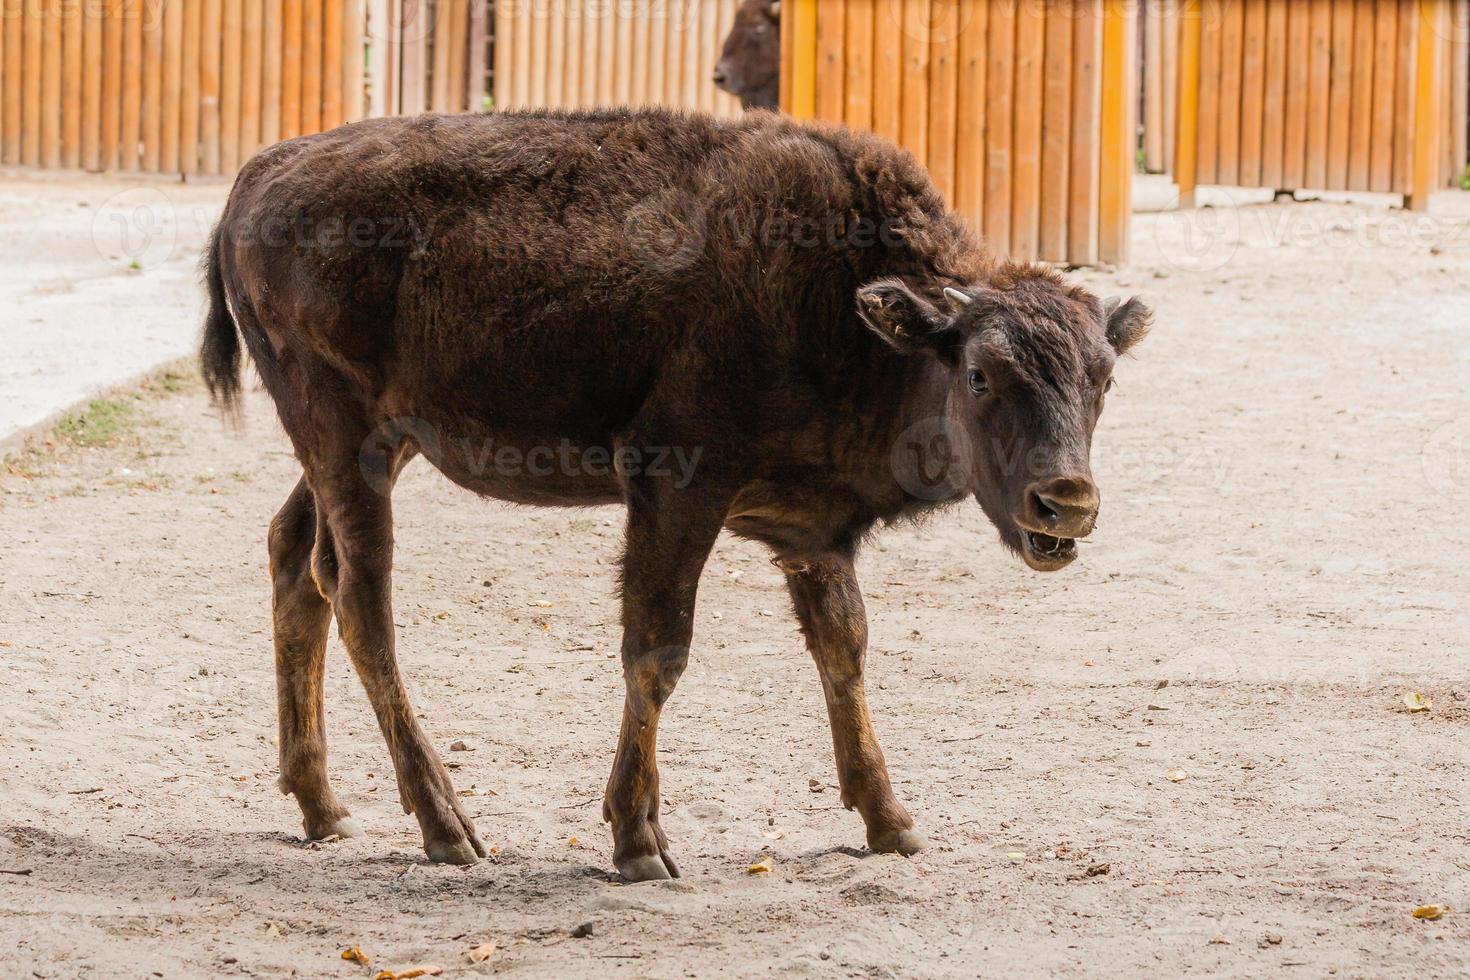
650 867
462 851
905 842
343 827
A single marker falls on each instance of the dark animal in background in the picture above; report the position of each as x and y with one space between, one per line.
789 310
750 63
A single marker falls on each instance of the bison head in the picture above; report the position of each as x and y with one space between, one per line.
1025 363
750 64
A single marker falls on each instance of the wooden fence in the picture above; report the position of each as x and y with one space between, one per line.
1023 111
571 53
184 86
1363 95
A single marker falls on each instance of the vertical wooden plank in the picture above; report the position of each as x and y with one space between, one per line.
831 72
804 65
1429 77
521 35
888 68
970 109
440 82
607 56
1232 41
1000 88
658 53
944 52
1056 128
1298 77
31 44
692 75
1340 95
71 84
1212 26
572 75
311 65
252 59
172 86
857 83
416 27
1385 65
11 84
92 55
1252 93
354 65
1403 96
1360 148
625 17
211 69
51 83
1115 169
1153 88
292 22
231 61
505 55
272 69
555 65
1026 137
113 27
1460 92
1273 121
154 23
787 26
642 11
1171 80
189 102
1083 186
914 124
1319 83
332 16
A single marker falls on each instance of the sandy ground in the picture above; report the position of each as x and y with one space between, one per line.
1281 560
98 281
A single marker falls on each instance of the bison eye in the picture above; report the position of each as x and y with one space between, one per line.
1112 383
977 383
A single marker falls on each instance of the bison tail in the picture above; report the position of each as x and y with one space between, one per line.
219 351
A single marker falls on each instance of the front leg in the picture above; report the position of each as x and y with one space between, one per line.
670 534
829 607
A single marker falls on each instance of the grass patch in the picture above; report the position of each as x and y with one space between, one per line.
102 423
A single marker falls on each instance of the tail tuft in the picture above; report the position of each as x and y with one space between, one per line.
219 351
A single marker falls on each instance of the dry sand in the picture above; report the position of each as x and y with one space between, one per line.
1281 559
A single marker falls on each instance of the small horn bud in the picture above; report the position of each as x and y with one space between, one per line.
957 298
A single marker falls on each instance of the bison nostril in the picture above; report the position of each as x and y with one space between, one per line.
719 77
1046 508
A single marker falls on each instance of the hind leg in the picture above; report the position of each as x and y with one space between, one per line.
300 619
354 562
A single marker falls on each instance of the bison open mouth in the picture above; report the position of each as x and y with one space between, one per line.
1046 553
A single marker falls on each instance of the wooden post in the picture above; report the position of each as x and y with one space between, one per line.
311 66
51 83
272 60
804 62
112 73
10 81
232 38
332 58
189 116
71 84
251 64
475 91
1086 114
1429 76
173 87
1186 149
92 86
1119 85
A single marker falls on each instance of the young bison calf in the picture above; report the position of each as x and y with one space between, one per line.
786 316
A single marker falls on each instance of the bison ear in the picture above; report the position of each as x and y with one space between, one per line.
903 318
1126 323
